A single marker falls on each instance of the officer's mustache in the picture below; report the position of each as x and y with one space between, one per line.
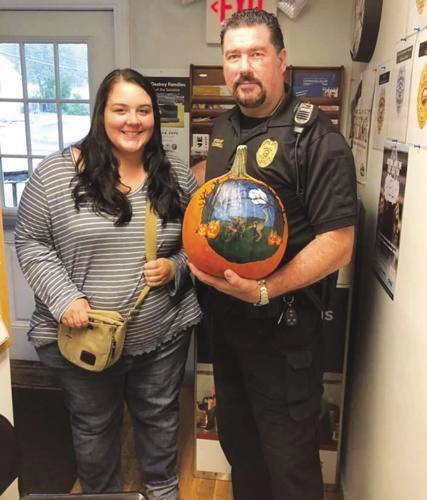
246 79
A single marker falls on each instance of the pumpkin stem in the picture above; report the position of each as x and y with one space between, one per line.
239 165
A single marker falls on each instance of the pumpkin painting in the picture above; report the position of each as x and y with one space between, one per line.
235 222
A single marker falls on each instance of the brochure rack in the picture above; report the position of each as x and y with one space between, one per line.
209 97
320 85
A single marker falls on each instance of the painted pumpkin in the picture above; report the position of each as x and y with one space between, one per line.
235 222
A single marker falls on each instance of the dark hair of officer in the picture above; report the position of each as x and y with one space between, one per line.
98 169
254 17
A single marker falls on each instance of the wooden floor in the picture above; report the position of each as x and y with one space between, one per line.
191 488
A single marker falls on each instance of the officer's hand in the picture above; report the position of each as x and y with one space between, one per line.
232 284
75 316
158 272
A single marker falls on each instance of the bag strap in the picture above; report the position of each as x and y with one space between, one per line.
150 231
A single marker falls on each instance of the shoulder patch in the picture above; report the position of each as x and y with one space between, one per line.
217 143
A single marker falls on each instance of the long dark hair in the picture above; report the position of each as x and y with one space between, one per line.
98 169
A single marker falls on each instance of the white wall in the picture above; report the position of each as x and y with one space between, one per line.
164 34
385 454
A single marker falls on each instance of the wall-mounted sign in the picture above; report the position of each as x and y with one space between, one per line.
400 85
417 15
383 95
361 111
173 99
390 210
218 11
417 121
317 83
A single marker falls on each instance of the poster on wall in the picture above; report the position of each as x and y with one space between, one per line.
316 83
417 16
382 96
199 148
217 11
417 128
398 104
361 110
390 210
173 96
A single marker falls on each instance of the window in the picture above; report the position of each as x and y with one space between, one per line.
44 106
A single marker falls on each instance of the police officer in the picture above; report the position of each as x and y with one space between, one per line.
268 359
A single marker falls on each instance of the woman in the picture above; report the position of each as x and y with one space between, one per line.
80 244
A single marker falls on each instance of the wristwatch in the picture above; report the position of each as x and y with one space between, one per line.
263 294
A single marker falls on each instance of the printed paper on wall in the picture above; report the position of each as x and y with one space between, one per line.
398 104
417 16
173 98
382 96
361 109
417 122
390 210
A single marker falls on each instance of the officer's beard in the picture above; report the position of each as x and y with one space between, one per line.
254 99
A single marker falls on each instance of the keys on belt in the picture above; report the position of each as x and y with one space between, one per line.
289 313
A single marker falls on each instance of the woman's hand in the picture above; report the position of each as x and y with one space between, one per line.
158 272
75 316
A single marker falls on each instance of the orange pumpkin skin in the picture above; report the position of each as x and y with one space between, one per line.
205 238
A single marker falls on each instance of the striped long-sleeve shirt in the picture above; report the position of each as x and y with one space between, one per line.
66 254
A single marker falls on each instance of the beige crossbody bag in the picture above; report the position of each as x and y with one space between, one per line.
100 344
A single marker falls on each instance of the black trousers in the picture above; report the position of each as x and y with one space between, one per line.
268 399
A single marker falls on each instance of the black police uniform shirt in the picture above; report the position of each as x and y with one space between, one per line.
327 174
327 171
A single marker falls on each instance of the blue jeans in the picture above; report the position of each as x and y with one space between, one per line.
150 384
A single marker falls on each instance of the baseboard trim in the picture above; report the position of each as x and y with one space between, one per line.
26 373
31 374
